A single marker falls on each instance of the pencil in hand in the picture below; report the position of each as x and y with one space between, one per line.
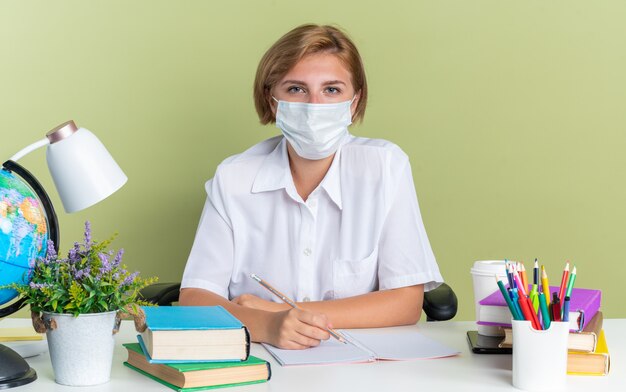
291 303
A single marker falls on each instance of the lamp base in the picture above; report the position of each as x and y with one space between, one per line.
15 370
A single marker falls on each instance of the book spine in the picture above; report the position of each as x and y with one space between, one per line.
247 333
269 370
590 310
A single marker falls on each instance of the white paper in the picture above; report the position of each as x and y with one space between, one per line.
387 346
329 351
402 346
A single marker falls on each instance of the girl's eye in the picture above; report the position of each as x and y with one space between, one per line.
333 90
295 89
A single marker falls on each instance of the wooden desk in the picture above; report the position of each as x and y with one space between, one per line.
465 372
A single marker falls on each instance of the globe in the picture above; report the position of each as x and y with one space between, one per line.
23 232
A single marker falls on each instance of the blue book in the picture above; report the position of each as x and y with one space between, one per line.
193 334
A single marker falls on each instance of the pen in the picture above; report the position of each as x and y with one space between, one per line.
536 273
566 309
556 307
290 302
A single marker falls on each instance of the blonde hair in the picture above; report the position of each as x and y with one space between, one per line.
291 48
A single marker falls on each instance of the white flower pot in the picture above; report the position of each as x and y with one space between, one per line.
81 348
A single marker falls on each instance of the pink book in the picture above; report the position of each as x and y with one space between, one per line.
584 303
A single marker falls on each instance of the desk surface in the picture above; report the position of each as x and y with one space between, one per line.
465 372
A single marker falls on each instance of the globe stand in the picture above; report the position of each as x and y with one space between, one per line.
15 371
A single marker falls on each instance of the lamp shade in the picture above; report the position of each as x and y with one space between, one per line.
82 169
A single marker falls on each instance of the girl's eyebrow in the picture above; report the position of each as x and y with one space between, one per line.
300 82
293 82
333 82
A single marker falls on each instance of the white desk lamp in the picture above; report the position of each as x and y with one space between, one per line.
84 173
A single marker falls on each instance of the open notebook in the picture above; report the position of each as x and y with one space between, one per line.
365 347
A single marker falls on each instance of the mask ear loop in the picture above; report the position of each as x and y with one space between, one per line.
351 102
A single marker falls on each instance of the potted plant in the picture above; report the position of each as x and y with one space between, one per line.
76 301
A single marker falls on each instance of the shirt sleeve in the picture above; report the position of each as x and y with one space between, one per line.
210 262
405 256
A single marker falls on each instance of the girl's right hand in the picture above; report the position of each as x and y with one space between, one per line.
297 329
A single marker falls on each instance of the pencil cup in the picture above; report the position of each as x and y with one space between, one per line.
483 273
539 357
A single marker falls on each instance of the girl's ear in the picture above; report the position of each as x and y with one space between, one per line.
355 102
273 104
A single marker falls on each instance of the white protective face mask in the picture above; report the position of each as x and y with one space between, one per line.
314 130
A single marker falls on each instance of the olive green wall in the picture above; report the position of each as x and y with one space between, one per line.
512 113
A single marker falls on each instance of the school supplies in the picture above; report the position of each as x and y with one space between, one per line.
583 305
584 341
199 375
364 346
193 333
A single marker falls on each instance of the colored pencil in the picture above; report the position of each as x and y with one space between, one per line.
509 303
570 285
545 287
528 314
545 315
564 282
522 274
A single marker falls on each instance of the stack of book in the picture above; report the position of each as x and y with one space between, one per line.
197 347
588 353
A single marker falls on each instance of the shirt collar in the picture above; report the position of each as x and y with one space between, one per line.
275 174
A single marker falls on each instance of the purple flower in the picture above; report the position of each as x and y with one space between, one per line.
130 279
118 258
52 253
106 266
87 235
82 273
39 286
74 253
